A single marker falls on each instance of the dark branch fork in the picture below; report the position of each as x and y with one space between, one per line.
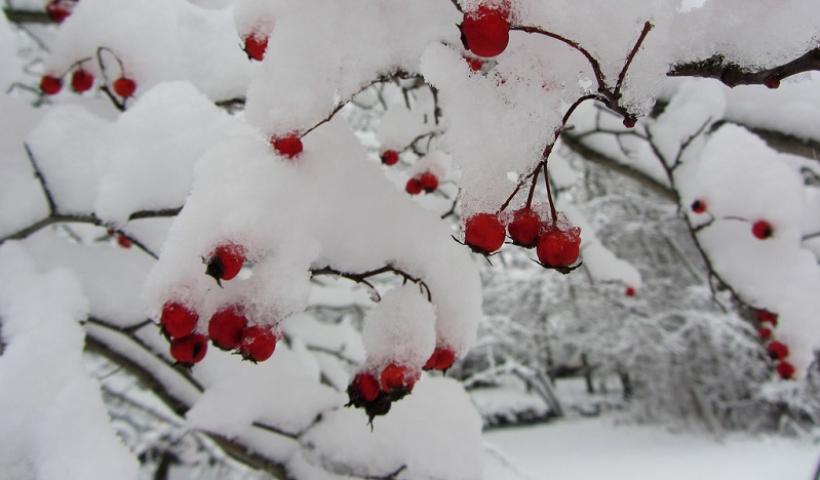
364 277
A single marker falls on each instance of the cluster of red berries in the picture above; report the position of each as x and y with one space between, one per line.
778 351
59 10
82 80
761 229
376 395
558 247
289 146
255 46
485 31
424 182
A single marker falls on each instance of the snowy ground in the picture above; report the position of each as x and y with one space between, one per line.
598 448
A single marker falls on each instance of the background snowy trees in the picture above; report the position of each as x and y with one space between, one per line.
116 196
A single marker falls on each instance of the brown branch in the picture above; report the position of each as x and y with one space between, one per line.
622 76
364 277
41 179
732 74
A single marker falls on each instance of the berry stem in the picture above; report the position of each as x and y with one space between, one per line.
532 187
553 212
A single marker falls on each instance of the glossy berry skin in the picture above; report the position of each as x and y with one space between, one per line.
786 370
396 377
125 87
559 248
413 186
289 146
226 327
225 262
177 320
765 316
764 333
58 11
258 343
484 233
366 387
255 46
630 291
525 228
777 350
51 85
390 157
189 350
81 80
428 182
762 230
442 359
772 82
123 241
486 31
699 206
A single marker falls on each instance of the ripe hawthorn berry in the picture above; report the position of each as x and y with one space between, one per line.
255 46
125 87
762 229
486 31
764 333
225 262
390 157
630 292
51 85
190 349
123 241
258 343
397 378
288 146
777 350
772 82
365 388
442 359
629 122
525 227
484 233
58 10
765 316
177 320
81 80
786 370
559 248
428 182
413 186
227 326
699 206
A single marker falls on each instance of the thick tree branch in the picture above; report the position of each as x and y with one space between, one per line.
733 74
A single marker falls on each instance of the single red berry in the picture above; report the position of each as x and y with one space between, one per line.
525 227
177 320
428 181
125 87
397 377
765 333
442 359
484 233
765 316
81 80
475 64
226 327
772 82
778 350
124 241
255 46
258 343
289 146
629 122
190 349
367 387
699 206
559 248
225 262
58 11
486 31
762 229
390 157
413 186
51 85
630 291
786 370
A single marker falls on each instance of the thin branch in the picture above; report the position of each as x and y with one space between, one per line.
364 276
622 76
732 74
52 206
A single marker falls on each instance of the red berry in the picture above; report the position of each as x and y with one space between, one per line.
442 359
762 229
51 85
125 87
778 350
765 333
484 233
765 316
390 157
58 11
226 262
475 64
226 327
413 186
367 387
786 370
289 146
629 122
177 320
525 227
124 241
258 343
397 377
630 291
559 248
189 350
699 206
428 181
81 80
772 82
486 31
255 46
